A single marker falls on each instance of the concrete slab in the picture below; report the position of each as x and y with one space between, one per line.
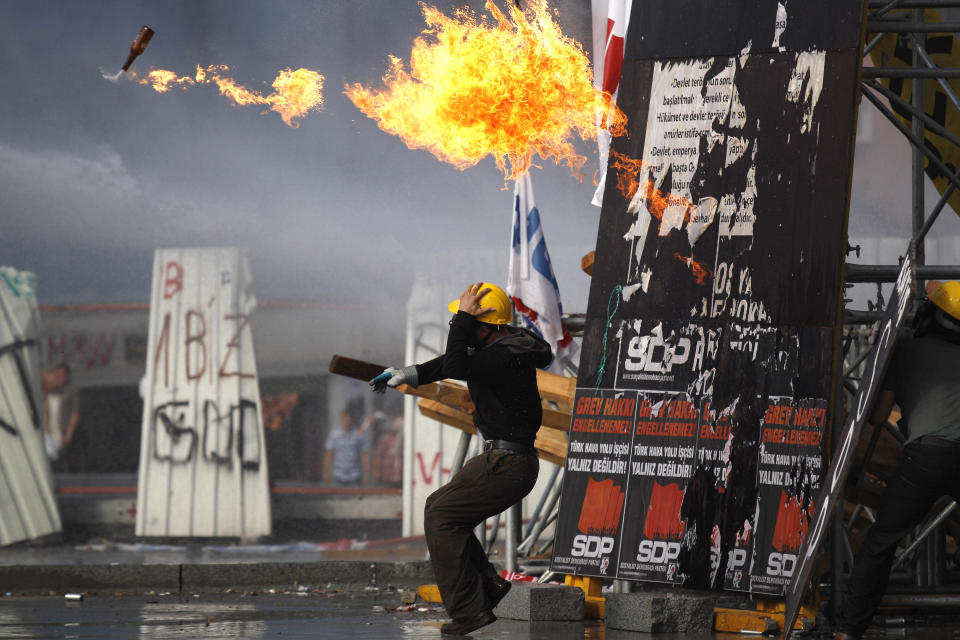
65 578
684 612
214 576
344 574
541 602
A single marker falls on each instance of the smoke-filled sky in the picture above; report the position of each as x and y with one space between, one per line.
95 175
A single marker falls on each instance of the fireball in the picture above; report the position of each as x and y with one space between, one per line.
510 85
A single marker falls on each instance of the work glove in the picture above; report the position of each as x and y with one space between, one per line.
394 377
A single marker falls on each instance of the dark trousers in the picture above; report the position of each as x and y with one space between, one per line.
926 472
487 485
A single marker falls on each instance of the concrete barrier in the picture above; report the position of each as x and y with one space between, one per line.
541 602
687 612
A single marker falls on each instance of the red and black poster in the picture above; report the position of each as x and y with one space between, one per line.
660 468
601 433
716 296
788 475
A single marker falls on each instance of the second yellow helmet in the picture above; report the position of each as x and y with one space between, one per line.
946 295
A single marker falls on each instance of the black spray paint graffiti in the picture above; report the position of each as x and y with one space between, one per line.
221 434
9 428
14 349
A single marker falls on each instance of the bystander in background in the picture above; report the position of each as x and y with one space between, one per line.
347 457
61 414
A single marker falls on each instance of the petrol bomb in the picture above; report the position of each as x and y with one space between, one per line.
138 45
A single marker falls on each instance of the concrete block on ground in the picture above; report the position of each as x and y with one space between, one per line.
677 612
541 602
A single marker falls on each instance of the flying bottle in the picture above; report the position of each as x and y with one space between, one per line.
139 45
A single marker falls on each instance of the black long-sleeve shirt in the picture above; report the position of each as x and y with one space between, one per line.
501 378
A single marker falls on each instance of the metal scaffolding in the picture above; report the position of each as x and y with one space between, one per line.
923 563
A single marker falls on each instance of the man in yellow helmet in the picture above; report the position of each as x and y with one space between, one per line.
499 364
923 380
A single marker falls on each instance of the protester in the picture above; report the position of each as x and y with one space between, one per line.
347 458
923 380
61 414
499 364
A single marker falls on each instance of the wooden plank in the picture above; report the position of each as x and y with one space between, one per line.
446 391
559 389
451 393
353 368
447 415
551 444
556 419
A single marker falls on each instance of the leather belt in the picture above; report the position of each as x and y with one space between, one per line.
507 445
936 441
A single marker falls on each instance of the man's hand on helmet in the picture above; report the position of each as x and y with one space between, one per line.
470 300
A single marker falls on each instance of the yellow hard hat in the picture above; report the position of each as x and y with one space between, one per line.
497 298
946 295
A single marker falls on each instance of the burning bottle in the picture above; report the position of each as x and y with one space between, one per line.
139 45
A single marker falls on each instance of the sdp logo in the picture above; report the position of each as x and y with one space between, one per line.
591 546
781 564
658 552
653 353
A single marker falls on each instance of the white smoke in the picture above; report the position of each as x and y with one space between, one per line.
112 78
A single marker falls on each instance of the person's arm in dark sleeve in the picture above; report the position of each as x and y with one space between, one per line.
544 357
430 371
886 394
882 407
456 361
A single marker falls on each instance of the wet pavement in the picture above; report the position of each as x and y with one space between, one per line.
103 551
322 610
313 614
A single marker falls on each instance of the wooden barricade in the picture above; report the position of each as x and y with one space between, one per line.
449 402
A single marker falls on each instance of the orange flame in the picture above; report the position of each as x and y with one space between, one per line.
628 182
700 271
295 92
511 87
628 173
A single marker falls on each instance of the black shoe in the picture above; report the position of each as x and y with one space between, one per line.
495 589
463 626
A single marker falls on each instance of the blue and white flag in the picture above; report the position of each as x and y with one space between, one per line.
532 284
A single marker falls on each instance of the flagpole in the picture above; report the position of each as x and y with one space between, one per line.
523 206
